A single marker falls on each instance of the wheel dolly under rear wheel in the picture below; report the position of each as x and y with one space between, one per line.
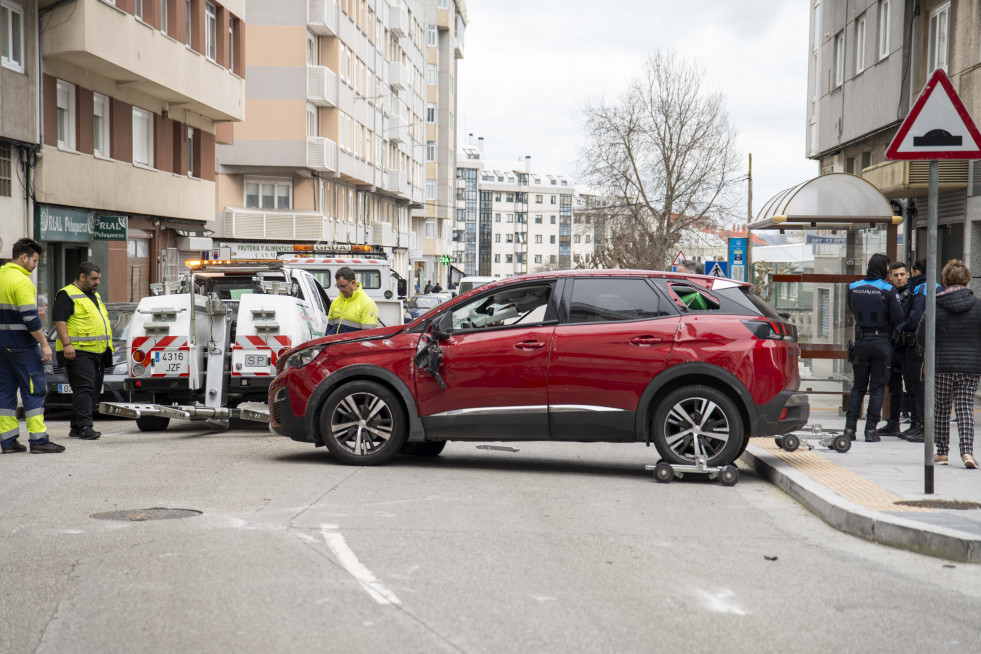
831 439
664 472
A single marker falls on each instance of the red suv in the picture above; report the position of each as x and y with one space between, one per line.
599 355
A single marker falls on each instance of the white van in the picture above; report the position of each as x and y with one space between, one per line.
470 283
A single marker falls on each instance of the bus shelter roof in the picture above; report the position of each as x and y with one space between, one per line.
832 201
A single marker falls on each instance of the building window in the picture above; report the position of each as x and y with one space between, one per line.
586 238
430 150
187 23
497 257
6 170
509 238
497 197
430 229
860 45
138 9
539 199
839 59
497 238
432 36
553 200
538 258
576 238
442 4
431 113
538 219
883 29
432 76
268 194
509 258
430 189
142 137
12 39
100 125
231 45
66 115
211 31
497 217
939 30
190 152
163 16
551 239
538 238
552 219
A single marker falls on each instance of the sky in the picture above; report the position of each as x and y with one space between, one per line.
530 66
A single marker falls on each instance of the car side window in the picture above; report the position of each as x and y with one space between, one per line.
521 305
613 299
693 298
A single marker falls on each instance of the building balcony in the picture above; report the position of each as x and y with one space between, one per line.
398 75
418 195
278 225
399 183
97 38
398 18
321 153
397 129
910 179
322 17
321 86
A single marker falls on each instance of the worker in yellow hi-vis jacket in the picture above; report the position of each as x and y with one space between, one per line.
21 362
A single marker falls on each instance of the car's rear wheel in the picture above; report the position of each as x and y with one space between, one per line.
697 412
152 423
427 448
363 423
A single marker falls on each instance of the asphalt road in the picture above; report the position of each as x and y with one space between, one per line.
555 548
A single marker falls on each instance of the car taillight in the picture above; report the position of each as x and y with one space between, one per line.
139 356
282 351
772 330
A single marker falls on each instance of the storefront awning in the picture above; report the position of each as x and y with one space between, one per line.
832 201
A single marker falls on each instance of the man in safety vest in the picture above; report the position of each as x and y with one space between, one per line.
21 363
352 310
84 345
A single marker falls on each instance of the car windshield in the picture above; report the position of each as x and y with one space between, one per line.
423 302
119 319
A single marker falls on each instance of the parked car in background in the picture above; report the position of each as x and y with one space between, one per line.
59 390
421 304
667 359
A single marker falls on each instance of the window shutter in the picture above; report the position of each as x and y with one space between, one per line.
62 96
140 134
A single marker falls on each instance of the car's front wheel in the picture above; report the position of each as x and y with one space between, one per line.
152 423
363 423
702 414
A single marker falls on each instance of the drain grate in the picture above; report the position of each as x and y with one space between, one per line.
941 504
139 515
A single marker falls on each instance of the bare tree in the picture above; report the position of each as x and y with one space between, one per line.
664 157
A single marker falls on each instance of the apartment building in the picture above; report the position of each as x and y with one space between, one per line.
512 218
333 151
869 59
131 95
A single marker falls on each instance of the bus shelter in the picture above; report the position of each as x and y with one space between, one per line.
828 229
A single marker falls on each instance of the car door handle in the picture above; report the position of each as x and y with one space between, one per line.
528 345
645 340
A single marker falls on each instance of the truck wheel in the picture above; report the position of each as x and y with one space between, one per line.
700 410
363 424
427 448
152 423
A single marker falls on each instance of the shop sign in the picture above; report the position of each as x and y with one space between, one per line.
63 224
111 228
230 250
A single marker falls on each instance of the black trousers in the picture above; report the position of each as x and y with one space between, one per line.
85 375
912 362
873 357
895 385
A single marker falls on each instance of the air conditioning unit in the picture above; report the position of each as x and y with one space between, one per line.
381 234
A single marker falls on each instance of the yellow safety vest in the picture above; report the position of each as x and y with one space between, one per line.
351 314
88 326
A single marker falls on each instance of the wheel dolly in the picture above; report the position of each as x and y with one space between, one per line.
831 439
664 472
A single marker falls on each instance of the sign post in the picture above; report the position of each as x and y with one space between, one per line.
937 127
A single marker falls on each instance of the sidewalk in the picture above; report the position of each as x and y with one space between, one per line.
857 491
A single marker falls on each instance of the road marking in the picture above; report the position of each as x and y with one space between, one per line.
719 602
364 576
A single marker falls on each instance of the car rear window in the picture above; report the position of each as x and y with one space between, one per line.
744 297
693 298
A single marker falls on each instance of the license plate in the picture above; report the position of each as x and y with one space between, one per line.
256 360
65 389
170 361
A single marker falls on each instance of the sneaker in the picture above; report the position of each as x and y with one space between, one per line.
89 434
46 448
15 447
890 429
969 461
939 459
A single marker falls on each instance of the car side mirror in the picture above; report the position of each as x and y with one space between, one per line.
403 287
442 326
784 315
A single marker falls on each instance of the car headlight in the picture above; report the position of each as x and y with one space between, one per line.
302 357
120 369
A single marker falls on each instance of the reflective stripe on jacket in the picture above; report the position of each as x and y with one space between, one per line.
88 326
350 314
18 307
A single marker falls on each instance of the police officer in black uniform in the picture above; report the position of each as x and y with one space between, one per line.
915 306
899 278
877 311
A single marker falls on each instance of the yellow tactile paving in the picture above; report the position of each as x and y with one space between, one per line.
847 484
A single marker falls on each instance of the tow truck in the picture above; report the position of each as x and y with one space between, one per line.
372 268
207 350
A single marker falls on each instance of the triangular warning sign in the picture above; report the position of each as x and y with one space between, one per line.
937 127
717 271
678 258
